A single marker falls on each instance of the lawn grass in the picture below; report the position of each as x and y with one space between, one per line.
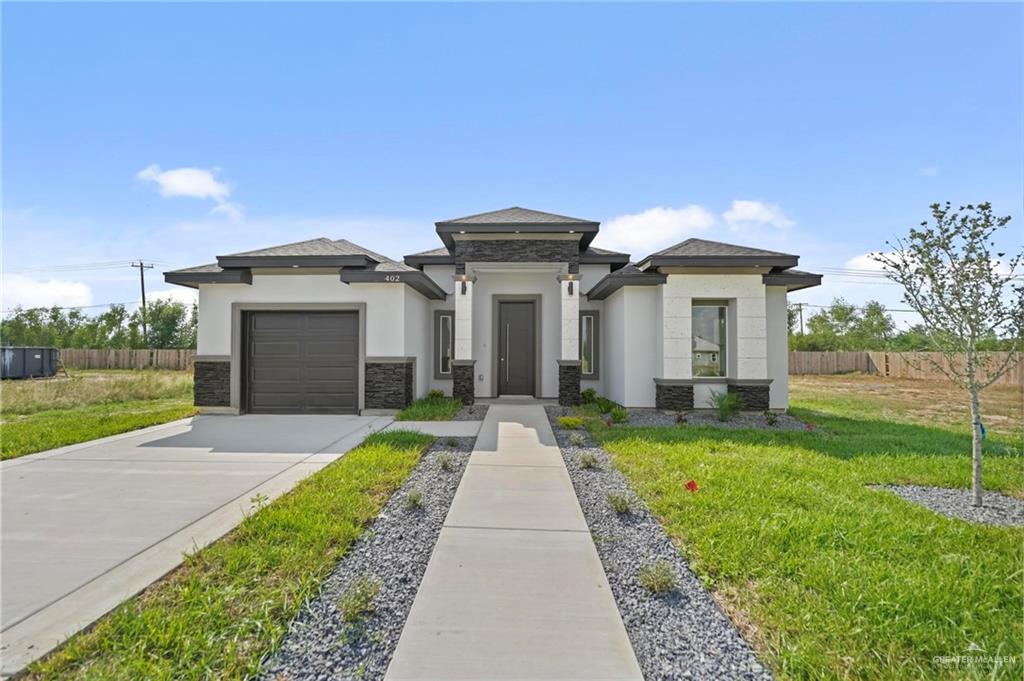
433 407
229 604
827 578
37 415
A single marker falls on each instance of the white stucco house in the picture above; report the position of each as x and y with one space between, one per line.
515 302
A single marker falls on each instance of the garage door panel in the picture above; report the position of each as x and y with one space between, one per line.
303 362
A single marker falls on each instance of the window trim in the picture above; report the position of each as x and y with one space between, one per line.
723 354
595 375
436 348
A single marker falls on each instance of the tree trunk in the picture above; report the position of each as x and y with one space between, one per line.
975 447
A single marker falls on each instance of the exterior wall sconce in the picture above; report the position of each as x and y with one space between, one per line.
463 287
570 288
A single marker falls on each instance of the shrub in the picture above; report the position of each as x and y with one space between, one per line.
357 600
452 442
771 418
728 404
445 461
435 395
657 577
588 460
414 500
681 418
604 404
588 396
619 414
619 502
570 422
577 439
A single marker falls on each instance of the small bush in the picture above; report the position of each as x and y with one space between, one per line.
414 500
570 422
445 461
577 439
452 442
604 404
619 414
771 418
357 600
681 418
619 502
657 577
588 396
727 404
588 460
435 395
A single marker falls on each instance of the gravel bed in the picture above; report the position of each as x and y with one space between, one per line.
679 635
996 509
472 412
654 417
394 550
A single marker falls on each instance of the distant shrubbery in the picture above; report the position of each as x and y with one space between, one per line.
169 324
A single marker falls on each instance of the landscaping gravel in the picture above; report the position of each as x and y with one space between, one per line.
394 550
996 509
472 412
654 417
682 634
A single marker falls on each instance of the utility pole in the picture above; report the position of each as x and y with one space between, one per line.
142 284
799 306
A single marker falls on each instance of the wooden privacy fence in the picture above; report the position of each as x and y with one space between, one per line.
916 365
90 358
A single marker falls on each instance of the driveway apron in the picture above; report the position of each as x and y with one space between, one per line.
514 588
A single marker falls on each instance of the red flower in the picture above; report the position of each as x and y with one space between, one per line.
809 427
608 423
691 485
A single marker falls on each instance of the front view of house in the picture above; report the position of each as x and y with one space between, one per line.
515 302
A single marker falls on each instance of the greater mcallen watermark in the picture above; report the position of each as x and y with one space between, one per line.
974 656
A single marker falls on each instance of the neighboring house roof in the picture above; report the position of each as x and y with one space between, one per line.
704 345
516 220
629 275
704 253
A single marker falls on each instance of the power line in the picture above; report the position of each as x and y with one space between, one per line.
68 307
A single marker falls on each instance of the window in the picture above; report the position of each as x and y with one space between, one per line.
590 358
709 334
444 343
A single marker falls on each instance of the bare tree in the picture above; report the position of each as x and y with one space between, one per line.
965 293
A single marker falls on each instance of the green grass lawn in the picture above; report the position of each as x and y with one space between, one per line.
231 602
433 407
827 578
36 415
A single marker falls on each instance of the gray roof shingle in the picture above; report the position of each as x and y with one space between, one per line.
515 216
320 246
703 247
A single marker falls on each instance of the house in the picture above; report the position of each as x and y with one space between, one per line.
515 302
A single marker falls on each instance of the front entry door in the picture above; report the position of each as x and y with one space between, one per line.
516 348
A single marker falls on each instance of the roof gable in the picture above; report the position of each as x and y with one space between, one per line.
705 253
516 216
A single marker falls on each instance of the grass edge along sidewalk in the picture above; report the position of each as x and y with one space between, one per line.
229 604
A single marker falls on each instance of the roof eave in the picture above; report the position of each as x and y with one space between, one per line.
612 283
194 279
586 230
792 281
421 260
416 279
227 261
655 261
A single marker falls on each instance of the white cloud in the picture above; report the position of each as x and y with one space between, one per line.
19 290
930 171
744 213
655 228
197 183
178 294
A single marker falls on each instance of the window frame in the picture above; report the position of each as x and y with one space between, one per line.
723 353
438 315
595 375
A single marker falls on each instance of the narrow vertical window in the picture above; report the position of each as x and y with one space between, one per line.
709 338
444 343
589 355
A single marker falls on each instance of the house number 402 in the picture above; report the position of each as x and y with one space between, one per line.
392 278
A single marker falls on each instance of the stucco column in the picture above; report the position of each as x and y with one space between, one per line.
463 385
569 355
674 389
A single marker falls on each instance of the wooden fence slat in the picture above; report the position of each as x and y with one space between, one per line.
103 358
912 365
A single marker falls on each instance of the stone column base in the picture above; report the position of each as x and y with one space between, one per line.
672 395
753 394
388 382
212 383
463 385
569 382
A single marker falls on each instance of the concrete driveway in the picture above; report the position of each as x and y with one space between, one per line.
86 526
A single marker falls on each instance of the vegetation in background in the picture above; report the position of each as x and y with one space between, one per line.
40 415
229 605
434 407
831 579
952 278
170 324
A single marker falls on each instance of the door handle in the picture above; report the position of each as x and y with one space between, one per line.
506 352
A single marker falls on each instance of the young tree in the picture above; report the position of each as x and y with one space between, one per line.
965 293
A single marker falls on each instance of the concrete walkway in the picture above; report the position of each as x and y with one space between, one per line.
514 588
86 526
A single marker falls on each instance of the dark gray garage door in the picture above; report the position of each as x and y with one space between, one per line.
302 362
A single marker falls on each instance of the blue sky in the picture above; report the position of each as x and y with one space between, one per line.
832 126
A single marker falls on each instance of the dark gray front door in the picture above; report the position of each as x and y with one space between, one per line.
302 362
516 348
